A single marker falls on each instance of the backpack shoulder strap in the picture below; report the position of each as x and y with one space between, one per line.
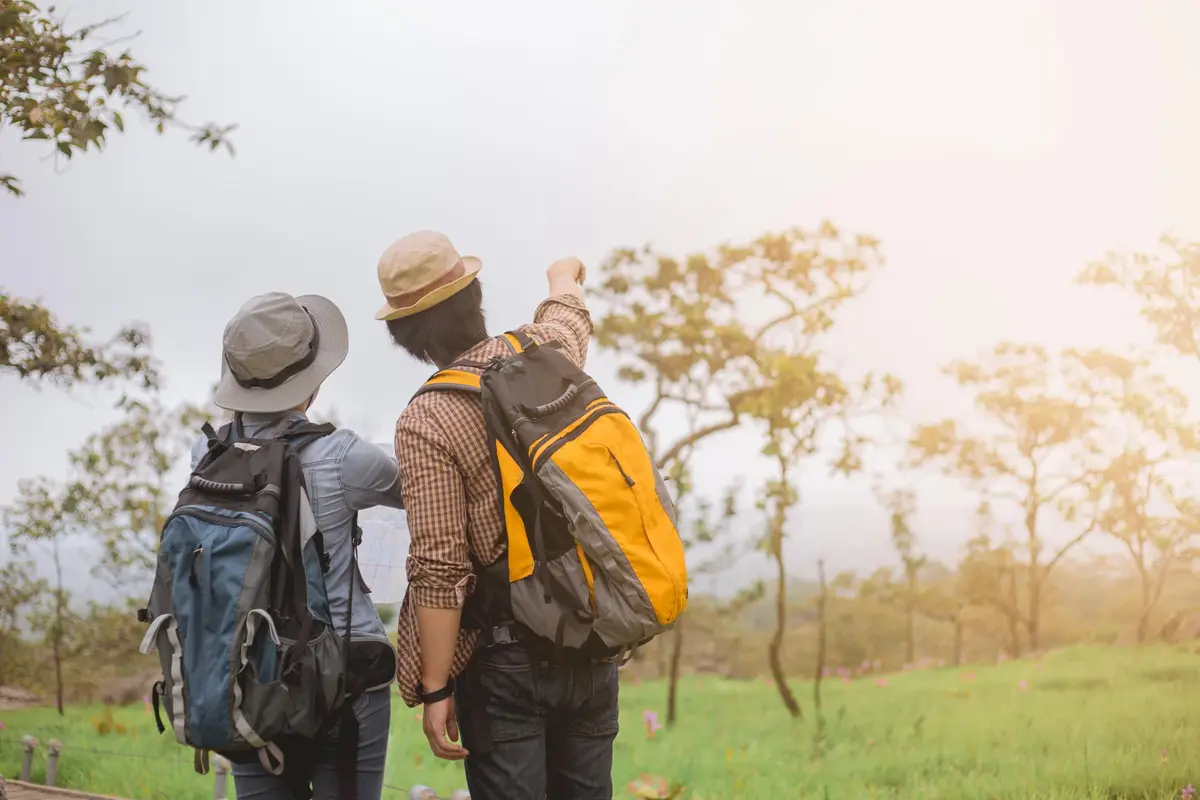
519 341
455 380
302 433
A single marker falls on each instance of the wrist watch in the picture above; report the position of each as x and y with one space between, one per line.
436 696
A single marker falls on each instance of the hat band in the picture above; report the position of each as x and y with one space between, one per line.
288 372
412 298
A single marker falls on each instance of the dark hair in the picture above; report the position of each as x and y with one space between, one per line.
440 334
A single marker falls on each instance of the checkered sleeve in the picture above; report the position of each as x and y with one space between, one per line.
439 568
564 318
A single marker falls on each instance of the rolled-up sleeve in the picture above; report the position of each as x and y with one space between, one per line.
370 477
439 566
565 319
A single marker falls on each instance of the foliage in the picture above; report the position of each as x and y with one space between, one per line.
1146 444
21 592
1166 284
34 345
43 514
125 476
1031 446
66 87
730 337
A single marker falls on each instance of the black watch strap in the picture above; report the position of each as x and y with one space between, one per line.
438 696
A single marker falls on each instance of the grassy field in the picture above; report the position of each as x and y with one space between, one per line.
1083 723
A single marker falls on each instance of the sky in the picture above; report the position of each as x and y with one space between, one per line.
994 149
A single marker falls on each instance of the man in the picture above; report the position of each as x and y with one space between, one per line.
532 727
277 351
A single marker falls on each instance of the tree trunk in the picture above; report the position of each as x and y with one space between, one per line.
819 673
774 652
910 613
1013 612
1147 606
1033 622
958 640
58 630
673 675
1034 579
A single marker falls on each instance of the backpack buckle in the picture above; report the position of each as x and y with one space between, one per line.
502 635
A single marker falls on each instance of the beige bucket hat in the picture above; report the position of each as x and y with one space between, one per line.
420 271
277 350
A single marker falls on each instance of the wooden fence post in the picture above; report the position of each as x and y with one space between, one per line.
55 747
30 745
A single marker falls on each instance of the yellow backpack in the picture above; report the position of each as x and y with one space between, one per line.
594 560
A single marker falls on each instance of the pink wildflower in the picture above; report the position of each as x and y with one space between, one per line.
650 719
881 682
1189 792
1023 685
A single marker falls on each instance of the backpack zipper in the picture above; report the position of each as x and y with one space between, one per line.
229 522
588 420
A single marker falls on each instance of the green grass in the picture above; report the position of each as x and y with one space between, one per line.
1092 723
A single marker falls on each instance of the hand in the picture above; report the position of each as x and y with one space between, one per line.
439 722
571 268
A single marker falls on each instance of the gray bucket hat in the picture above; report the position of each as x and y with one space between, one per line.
277 350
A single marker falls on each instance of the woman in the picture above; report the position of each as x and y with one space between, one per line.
278 350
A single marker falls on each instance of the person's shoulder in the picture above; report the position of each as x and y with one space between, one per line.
346 440
199 448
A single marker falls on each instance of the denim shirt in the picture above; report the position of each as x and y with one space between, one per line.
344 474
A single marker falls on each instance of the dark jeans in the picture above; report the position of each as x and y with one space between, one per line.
374 713
551 726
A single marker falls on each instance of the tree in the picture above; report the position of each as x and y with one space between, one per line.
707 527
66 87
711 335
34 345
1029 450
21 590
901 504
801 408
1167 284
822 604
124 475
1146 439
42 515
989 575
946 599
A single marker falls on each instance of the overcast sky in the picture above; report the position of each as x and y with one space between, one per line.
994 148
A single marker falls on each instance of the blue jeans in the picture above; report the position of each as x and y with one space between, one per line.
551 726
374 713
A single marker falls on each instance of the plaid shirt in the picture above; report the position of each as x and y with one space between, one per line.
450 489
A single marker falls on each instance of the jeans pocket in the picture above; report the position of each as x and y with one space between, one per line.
597 714
507 694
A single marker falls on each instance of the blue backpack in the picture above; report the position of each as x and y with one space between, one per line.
239 613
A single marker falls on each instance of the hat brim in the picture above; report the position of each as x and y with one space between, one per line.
331 352
472 266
